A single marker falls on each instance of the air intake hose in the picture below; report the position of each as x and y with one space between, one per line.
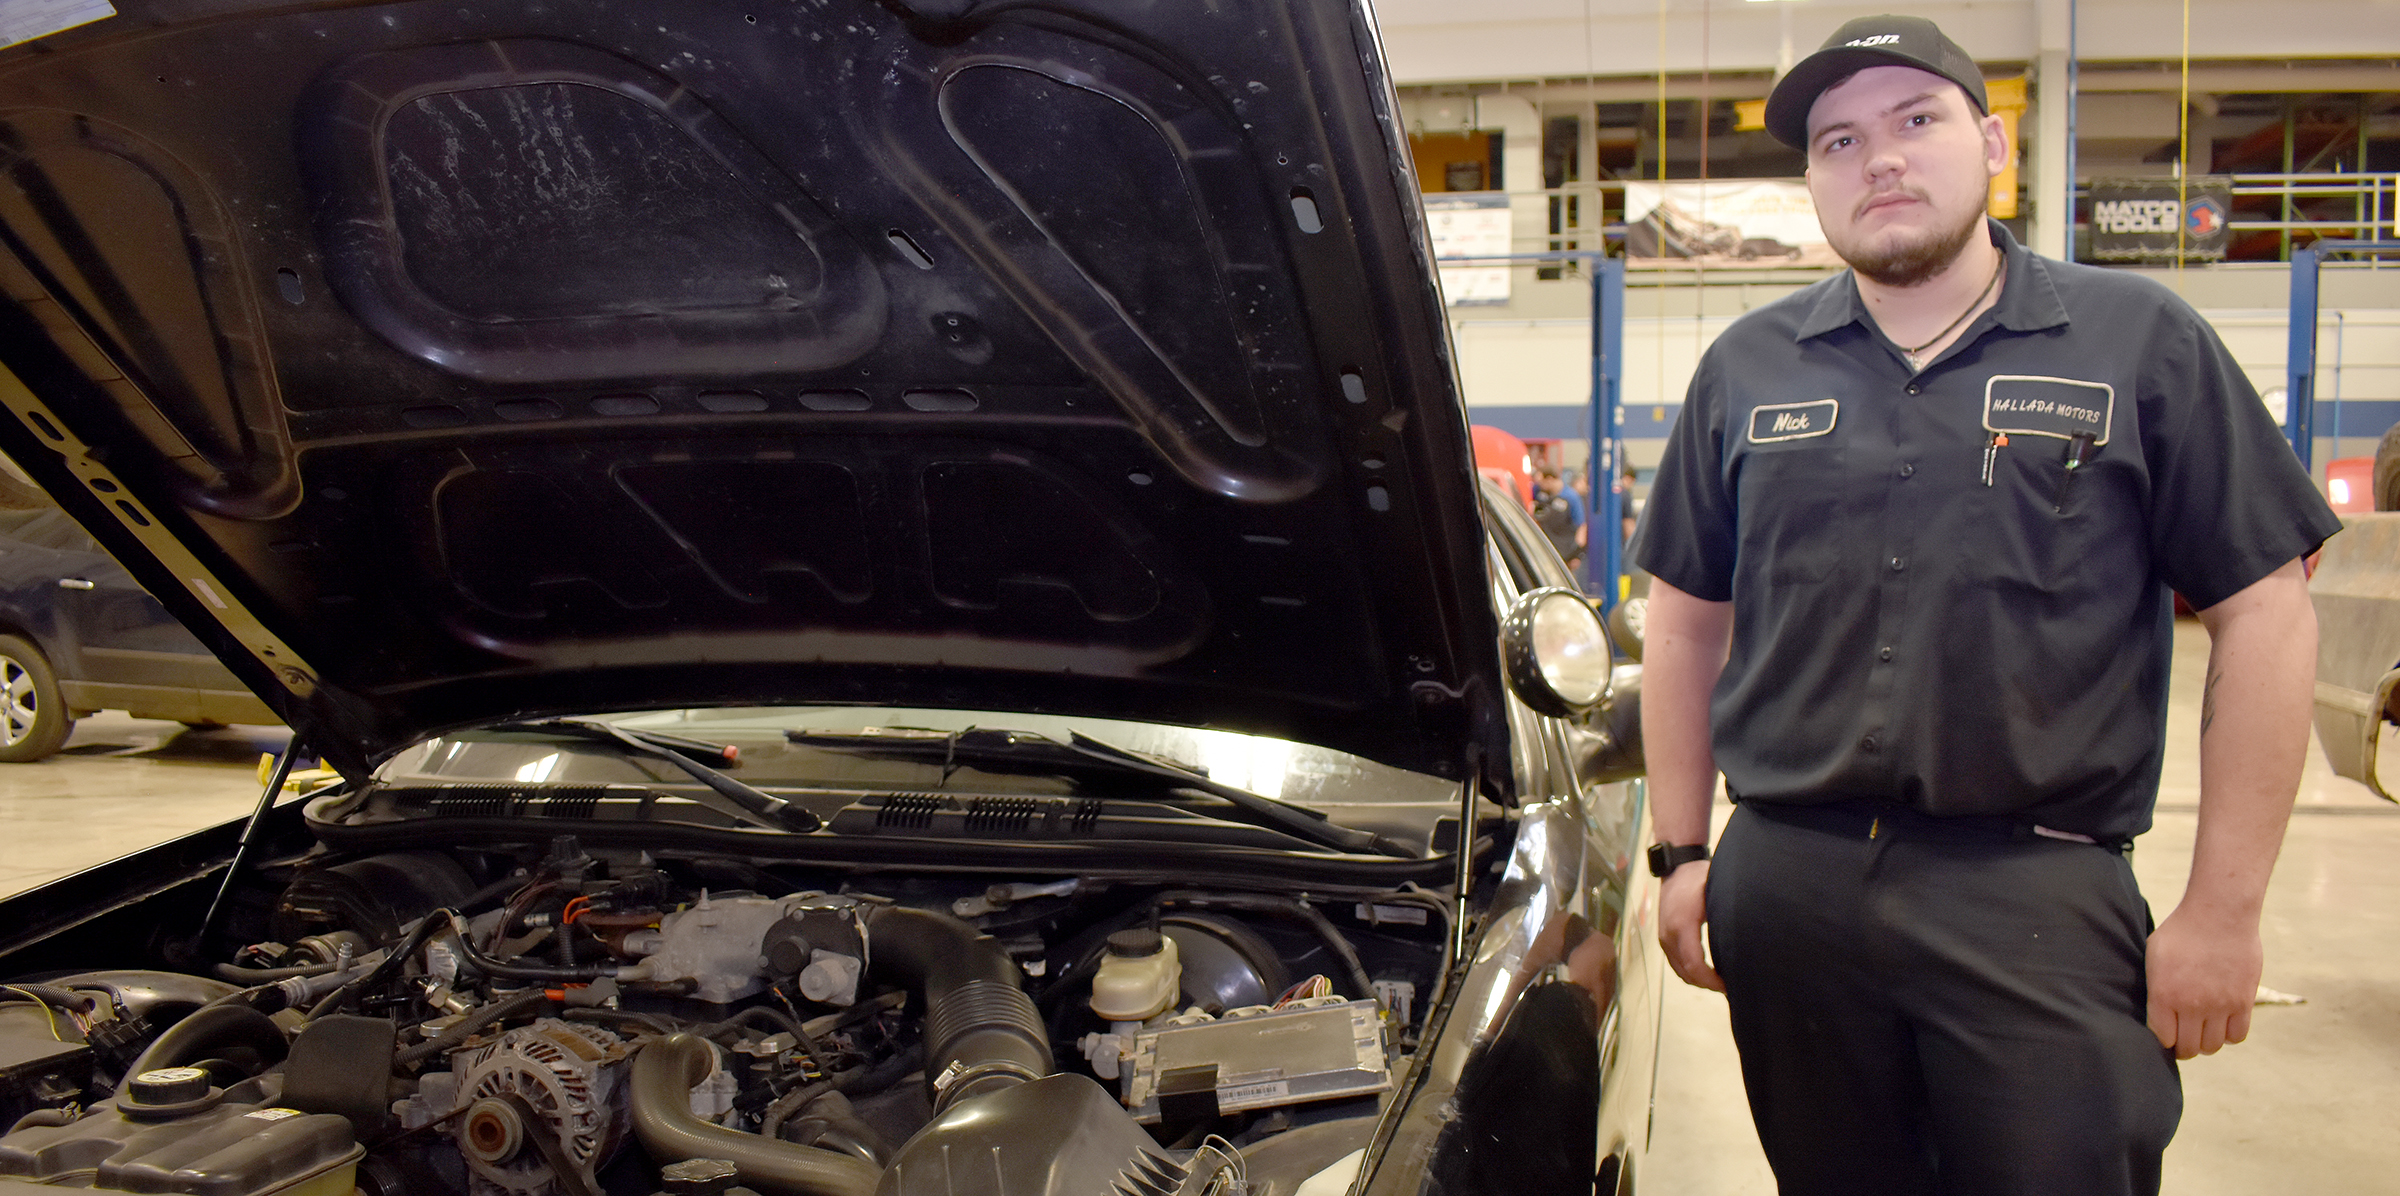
663 1077
982 1032
981 1035
236 1033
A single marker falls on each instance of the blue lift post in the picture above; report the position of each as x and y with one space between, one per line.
2300 357
1606 570
1605 517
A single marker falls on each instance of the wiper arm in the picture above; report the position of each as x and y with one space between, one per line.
1282 815
749 803
1086 758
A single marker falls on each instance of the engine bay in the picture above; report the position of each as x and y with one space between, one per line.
558 1019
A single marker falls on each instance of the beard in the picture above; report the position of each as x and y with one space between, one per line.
1907 262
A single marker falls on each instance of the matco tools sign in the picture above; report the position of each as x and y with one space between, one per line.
2138 220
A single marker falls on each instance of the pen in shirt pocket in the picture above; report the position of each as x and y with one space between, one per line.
1993 442
2079 454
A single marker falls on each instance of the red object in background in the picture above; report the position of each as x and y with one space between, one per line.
1504 459
2350 485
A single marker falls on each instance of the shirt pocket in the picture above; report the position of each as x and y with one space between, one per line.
2047 530
1794 521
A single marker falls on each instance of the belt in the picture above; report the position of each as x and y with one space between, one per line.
1873 819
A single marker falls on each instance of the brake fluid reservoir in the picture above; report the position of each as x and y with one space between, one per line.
1139 977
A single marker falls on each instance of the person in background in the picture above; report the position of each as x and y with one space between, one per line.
1627 505
1559 511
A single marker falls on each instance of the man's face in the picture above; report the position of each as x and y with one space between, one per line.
1900 165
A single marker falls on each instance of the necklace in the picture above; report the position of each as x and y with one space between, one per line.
1952 326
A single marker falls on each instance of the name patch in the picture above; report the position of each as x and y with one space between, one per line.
1792 421
2037 405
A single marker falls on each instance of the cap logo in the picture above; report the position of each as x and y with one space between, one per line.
1880 39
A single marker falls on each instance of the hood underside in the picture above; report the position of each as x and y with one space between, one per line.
441 363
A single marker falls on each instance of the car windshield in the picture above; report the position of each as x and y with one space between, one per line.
1302 774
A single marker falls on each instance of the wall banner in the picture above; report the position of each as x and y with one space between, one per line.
1474 225
1746 223
2135 220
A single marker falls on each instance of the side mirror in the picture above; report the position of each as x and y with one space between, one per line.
1617 754
1626 624
1557 652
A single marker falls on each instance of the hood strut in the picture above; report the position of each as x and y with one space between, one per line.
242 851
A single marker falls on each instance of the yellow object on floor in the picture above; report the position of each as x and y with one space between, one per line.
301 778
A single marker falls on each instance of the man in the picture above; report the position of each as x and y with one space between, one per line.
1559 511
1913 542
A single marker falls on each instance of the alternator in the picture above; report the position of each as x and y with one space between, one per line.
543 1096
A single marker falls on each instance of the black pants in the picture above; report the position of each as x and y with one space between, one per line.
1926 1012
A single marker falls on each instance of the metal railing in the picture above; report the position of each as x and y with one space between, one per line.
2374 200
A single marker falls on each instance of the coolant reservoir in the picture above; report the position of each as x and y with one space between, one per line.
1139 977
172 1132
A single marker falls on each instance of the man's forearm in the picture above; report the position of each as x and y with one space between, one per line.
2204 960
1683 652
2254 715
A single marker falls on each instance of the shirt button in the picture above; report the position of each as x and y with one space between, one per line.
1912 388
1896 565
1908 471
1867 744
1886 654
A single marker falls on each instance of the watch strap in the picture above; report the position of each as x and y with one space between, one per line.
1667 857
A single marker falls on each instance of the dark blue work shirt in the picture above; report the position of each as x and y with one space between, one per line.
1903 630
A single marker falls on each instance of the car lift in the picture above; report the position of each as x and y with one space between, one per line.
1603 569
2300 359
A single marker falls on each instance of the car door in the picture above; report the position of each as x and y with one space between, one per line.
121 635
111 644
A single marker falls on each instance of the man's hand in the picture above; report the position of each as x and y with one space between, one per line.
1682 911
2203 980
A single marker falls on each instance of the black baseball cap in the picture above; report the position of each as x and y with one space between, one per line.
1866 42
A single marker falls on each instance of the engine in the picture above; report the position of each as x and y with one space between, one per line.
566 1024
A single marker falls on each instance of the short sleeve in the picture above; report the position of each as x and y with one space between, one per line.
1687 533
2229 501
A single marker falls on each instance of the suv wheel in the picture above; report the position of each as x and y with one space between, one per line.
33 716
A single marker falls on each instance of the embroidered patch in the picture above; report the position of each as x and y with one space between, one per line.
1792 421
2034 405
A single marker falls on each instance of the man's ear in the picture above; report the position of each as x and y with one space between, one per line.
1996 148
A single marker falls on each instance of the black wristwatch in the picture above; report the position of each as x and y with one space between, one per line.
1667 857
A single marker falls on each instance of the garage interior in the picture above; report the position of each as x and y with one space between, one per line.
1549 113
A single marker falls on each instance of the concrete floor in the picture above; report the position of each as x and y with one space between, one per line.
122 784
2304 1106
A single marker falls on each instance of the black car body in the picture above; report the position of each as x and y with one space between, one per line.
897 590
77 635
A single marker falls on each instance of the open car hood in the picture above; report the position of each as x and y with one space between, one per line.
441 363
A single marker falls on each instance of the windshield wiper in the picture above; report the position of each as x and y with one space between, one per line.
748 803
1091 761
